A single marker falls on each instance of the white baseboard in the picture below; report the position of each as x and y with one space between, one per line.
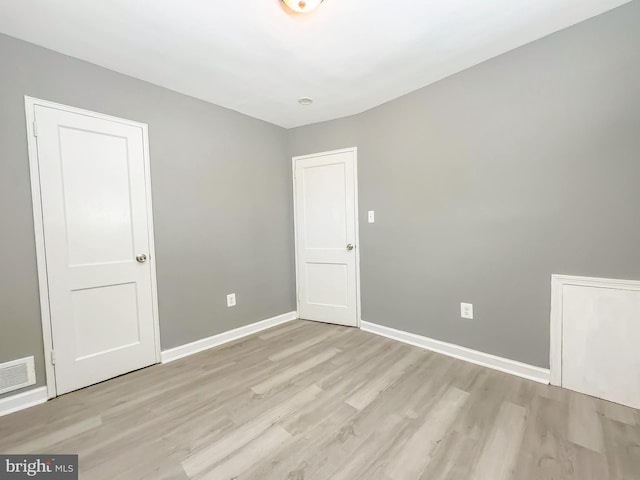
23 400
505 365
204 344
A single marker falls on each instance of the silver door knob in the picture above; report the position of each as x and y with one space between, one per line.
141 258
349 247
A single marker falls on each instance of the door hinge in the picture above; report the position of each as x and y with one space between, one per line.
35 129
53 357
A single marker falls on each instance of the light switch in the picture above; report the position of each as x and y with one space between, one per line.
371 216
231 300
466 310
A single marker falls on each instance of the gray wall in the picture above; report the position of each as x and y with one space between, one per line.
221 199
487 182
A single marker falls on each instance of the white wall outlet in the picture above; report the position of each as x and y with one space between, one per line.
231 300
371 215
466 310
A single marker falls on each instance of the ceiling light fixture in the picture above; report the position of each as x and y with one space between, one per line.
302 6
305 101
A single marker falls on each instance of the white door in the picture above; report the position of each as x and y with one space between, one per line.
600 341
96 231
325 205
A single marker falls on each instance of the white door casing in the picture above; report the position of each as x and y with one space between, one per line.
326 229
92 211
593 324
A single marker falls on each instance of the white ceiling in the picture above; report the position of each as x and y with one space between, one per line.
254 57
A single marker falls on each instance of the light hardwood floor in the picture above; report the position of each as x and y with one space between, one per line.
312 401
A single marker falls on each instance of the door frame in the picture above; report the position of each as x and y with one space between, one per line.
38 224
354 150
556 323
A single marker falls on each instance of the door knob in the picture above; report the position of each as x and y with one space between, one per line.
141 258
349 247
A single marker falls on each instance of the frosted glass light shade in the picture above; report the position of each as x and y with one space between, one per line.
302 6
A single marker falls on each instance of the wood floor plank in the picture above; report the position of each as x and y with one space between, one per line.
256 450
498 457
360 464
545 451
590 465
622 449
370 390
619 413
303 346
44 442
149 460
411 459
585 428
239 437
477 420
292 371
347 376
308 449
282 330
446 464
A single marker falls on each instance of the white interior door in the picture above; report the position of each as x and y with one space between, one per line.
600 352
325 204
96 222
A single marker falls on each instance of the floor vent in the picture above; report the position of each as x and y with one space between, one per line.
17 374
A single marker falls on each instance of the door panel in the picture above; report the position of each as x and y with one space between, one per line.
104 319
325 206
94 207
95 175
327 284
598 356
326 225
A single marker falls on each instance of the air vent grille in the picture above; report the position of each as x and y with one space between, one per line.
17 374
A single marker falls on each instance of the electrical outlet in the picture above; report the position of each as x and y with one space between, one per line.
231 300
371 215
466 310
